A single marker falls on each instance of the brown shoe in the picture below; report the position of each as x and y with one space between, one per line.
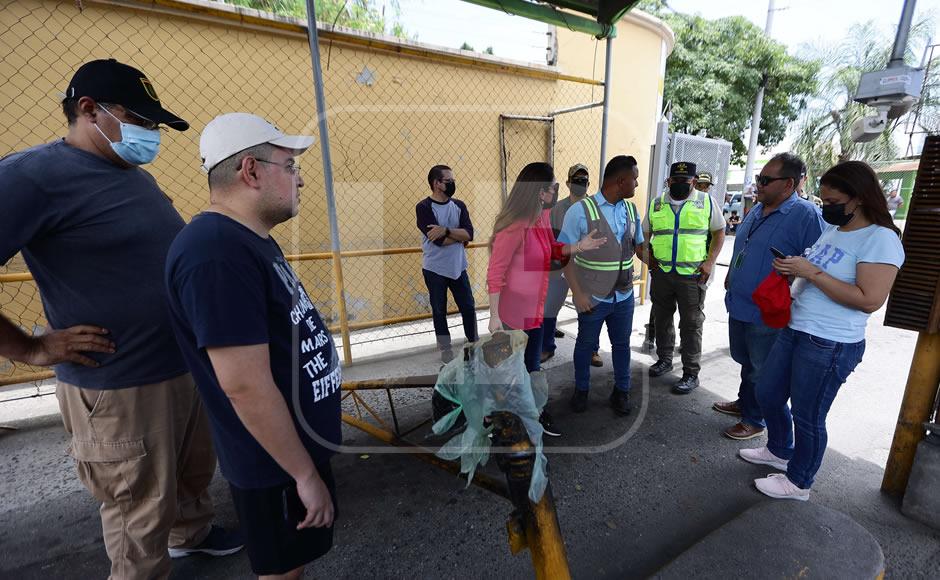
547 354
743 431
729 408
596 360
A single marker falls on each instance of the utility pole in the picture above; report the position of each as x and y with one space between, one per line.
758 108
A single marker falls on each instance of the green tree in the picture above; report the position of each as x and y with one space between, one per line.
715 70
364 15
823 134
466 46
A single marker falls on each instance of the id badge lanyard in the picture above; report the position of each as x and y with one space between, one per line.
739 261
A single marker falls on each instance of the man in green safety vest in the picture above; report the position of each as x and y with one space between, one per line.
685 230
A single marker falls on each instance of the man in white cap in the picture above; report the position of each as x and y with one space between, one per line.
263 359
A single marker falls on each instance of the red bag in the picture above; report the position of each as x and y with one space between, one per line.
773 298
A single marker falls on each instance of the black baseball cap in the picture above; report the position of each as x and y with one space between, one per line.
109 81
682 169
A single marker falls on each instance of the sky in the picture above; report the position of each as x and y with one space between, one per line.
453 22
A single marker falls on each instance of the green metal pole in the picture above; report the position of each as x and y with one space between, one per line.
907 188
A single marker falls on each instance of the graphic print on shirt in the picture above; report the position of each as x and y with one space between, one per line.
317 353
822 258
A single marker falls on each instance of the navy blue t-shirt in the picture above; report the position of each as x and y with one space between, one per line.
95 237
227 286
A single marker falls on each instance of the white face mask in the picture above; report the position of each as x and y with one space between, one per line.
137 146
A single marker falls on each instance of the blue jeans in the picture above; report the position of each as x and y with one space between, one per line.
750 344
533 348
463 297
554 300
807 370
619 319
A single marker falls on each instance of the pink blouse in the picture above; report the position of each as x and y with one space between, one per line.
518 271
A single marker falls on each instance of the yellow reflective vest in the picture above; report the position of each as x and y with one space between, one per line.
680 242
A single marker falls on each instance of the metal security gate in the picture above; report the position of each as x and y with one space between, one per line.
523 140
711 155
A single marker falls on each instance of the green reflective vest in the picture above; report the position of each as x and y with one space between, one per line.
680 241
609 268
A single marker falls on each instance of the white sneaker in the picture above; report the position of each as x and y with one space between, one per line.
763 456
778 486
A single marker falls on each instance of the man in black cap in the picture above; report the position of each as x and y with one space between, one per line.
94 229
685 230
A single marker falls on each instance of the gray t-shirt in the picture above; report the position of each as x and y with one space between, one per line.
448 260
95 238
895 202
717 219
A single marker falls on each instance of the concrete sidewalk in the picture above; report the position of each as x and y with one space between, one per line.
624 513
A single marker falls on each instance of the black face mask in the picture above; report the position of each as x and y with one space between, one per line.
578 188
835 214
450 188
680 190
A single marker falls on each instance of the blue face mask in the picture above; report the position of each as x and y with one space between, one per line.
137 145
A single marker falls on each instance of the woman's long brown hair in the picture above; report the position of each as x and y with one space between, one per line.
859 181
523 202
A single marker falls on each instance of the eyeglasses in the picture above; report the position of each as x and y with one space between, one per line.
580 181
133 117
764 181
291 167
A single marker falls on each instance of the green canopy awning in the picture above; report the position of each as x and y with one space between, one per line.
594 17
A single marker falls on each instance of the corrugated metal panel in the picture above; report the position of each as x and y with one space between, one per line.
915 299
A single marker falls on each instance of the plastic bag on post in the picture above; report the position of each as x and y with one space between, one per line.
480 388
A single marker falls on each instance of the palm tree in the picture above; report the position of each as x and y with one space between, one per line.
824 128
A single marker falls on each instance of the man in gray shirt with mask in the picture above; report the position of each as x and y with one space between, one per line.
445 226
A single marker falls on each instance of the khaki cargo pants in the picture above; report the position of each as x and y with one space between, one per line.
669 292
146 454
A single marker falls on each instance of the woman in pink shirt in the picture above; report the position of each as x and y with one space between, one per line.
521 251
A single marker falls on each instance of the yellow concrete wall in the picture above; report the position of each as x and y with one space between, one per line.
637 74
385 135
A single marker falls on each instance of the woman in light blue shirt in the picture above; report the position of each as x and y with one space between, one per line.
839 282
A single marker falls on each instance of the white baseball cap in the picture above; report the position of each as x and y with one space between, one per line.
231 133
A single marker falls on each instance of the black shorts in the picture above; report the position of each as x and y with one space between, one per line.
275 546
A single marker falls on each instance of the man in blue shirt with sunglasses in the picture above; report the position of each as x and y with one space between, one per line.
781 220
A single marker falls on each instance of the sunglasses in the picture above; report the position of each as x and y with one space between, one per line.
764 181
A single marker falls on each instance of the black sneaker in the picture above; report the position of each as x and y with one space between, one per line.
579 401
686 385
661 367
620 402
219 542
559 334
547 354
548 426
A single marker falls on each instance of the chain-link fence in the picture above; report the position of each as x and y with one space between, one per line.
394 110
711 155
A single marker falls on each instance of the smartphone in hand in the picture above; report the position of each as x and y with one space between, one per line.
777 253
294 509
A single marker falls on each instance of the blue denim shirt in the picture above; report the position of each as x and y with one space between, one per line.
792 228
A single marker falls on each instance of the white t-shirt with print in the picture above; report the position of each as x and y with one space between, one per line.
839 253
